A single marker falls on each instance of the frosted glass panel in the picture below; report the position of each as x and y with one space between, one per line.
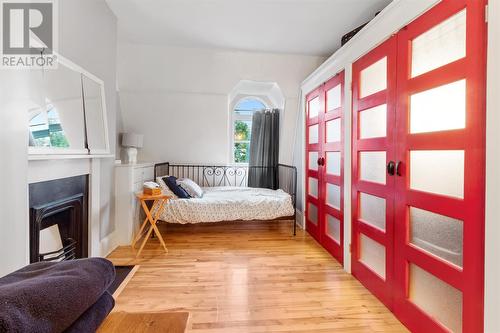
440 45
333 98
438 234
372 210
333 130
373 122
313 187
372 254
333 163
333 195
312 213
314 107
435 297
333 228
373 78
438 171
439 109
313 134
313 160
372 166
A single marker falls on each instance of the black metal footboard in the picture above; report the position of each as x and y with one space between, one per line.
231 175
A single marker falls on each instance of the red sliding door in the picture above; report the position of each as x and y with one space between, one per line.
374 87
418 169
314 133
440 174
324 160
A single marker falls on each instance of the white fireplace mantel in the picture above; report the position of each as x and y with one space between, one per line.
56 167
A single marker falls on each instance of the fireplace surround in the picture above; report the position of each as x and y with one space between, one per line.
62 203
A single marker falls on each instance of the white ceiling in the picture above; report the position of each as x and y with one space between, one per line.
311 27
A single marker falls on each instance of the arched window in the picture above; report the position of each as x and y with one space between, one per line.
242 127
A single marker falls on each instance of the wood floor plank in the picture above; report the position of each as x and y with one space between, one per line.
249 277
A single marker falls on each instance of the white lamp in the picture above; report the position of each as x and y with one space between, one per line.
132 141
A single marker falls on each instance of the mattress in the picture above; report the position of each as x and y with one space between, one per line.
229 204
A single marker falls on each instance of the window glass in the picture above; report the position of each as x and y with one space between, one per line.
58 121
242 127
46 129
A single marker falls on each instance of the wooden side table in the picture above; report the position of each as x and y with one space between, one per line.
158 204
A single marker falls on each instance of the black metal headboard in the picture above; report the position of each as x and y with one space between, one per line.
228 175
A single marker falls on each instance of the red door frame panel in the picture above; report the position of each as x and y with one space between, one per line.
470 209
377 285
312 228
335 249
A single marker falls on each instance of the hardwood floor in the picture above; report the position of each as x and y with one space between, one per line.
249 277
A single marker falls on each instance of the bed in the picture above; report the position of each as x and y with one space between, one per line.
226 194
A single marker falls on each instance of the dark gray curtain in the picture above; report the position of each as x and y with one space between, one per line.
264 149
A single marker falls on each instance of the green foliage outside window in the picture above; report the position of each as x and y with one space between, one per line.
242 144
58 139
241 152
241 131
242 126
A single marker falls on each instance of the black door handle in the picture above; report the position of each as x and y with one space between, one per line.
390 168
398 168
321 161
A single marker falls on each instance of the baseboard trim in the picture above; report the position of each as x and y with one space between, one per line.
108 244
299 220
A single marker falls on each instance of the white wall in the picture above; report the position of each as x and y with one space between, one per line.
87 36
14 92
178 97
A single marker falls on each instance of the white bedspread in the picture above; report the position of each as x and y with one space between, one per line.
229 204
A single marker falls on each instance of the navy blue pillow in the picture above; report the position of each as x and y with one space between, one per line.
171 182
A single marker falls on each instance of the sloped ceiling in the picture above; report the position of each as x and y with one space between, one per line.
312 27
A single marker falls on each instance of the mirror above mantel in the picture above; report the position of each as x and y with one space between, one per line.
68 113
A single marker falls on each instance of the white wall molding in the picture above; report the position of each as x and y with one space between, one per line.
94 214
347 167
390 20
108 244
44 170
492 210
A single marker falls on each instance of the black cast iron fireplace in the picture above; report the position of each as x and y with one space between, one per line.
61 202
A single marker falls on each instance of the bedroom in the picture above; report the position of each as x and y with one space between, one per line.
315 201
